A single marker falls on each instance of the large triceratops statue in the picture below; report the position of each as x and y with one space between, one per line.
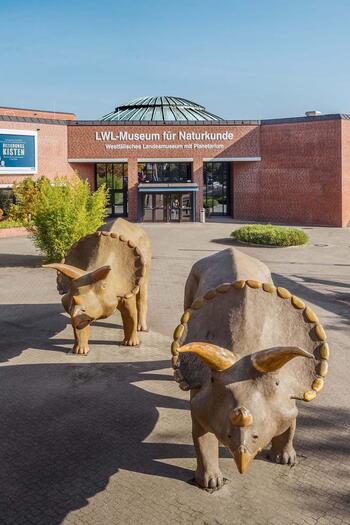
103 271
247 350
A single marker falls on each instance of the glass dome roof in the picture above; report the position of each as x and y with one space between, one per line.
163 109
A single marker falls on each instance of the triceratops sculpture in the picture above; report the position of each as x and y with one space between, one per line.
103 271
247 351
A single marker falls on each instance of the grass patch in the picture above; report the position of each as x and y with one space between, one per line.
269 235
9 223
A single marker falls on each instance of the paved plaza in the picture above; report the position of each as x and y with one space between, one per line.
106 439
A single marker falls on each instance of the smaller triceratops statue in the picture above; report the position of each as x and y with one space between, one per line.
103 271
247 350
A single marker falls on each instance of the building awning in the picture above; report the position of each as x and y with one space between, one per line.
160 187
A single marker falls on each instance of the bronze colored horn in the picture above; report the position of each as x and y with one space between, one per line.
241 417
242 458
273 359
217 358
100 273
69 271
77 299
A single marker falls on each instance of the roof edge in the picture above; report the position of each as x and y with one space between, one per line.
38 110
317 118
163 122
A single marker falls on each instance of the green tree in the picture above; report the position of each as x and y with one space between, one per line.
63 211
25 193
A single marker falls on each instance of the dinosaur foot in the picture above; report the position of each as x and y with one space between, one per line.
80 349
131 341
209 481
285 456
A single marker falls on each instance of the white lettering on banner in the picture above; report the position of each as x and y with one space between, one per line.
206 135
166 136
164 146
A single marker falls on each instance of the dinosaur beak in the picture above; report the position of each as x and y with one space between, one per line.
242 458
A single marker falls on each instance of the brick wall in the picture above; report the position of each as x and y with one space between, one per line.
345 172
298 179
52 150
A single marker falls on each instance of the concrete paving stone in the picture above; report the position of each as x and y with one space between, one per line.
106 439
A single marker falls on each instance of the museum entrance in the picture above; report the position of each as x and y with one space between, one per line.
217 188
167 207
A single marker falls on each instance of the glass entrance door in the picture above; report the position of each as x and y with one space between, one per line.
167 207
173 207
217 188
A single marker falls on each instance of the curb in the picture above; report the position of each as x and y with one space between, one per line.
13 232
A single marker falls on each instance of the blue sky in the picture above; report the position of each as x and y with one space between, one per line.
240 59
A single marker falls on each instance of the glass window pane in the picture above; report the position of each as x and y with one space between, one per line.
186 207
159 214
159 200
118 209
165 172
216 192
125 175
118 197
118 176
109 175
148 207
100 174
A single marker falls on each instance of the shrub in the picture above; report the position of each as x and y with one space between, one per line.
9 223
270 235
210 202
6 199
63 211
25 193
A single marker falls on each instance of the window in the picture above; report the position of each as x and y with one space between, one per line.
165 172
217 195
115 176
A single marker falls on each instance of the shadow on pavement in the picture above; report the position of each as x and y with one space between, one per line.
13 260
34 326
333 301
226 241
66 428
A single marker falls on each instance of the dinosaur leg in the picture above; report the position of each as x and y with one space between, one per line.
142 303
208 473
128 311
282 450
81 345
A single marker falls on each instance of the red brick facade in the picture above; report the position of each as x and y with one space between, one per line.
345 171
294 171
298 180
52 149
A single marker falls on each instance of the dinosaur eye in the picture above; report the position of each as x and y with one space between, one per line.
277 382
255 436
229 436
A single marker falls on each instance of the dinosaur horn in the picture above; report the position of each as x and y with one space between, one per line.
273 359
69 271
242 458
100 273
217 358
241 417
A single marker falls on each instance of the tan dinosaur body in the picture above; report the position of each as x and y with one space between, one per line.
246 350
103 271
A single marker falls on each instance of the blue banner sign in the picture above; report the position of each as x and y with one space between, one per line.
18 153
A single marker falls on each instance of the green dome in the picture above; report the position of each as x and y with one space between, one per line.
161 109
